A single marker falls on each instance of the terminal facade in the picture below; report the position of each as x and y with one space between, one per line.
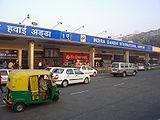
31 45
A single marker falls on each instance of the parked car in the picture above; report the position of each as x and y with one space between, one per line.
4 75
88 70
124 69
141 66
66 76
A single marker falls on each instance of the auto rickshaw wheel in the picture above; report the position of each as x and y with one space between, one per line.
55 98
19 107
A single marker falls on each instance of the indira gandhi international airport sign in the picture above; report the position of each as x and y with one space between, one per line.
30 31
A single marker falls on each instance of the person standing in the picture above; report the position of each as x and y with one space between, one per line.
40 65
16 65
1 83
10 65
4 65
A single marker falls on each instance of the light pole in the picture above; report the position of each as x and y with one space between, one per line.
28 17
34 23
60 23
78 28
105 31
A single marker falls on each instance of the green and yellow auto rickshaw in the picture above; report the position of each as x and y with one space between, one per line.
26 87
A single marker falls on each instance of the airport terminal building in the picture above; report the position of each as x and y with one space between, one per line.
31 45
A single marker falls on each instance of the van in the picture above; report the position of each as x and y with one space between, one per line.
123 69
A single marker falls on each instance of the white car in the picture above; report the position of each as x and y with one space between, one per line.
88 70
4 75
66 76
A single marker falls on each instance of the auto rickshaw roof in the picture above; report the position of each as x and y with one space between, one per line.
19 79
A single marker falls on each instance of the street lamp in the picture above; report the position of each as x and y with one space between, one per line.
105 31
57 24
78 28
28 17
34 23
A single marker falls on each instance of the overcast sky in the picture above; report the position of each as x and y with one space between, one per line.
116 16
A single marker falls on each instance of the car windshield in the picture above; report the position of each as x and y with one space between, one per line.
59 71
3 72
115 65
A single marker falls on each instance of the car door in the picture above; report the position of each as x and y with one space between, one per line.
90 70
71 76
84 69
79 76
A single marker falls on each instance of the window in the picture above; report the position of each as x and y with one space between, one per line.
83 68
126 65
69 71
3 72
130 65
77 71
115 65
89 68
60 71
122 66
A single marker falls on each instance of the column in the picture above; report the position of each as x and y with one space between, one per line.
20 57
31 55
91 56
112 59
147 58
126 56
159 58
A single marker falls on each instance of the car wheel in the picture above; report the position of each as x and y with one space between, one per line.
124 74
65 83
134 73
94 74
86 80
19 107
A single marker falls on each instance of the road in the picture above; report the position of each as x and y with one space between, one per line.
104 98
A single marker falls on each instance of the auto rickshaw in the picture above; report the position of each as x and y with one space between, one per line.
26 87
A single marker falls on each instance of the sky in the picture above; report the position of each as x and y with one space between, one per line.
114 16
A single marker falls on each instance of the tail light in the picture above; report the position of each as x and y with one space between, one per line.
56 77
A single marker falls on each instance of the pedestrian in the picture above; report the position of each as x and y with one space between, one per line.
40 65
4 65
1 83
10 65
16 65
47 65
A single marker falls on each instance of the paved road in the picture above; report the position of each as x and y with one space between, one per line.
105 98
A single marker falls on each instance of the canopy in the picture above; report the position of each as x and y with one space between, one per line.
19 79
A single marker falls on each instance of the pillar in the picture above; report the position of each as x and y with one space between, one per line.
147 58
31 55
159 58
20 57
91 56
126 56
112 59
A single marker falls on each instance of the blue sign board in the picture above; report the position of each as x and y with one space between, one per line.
8 28
117 43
